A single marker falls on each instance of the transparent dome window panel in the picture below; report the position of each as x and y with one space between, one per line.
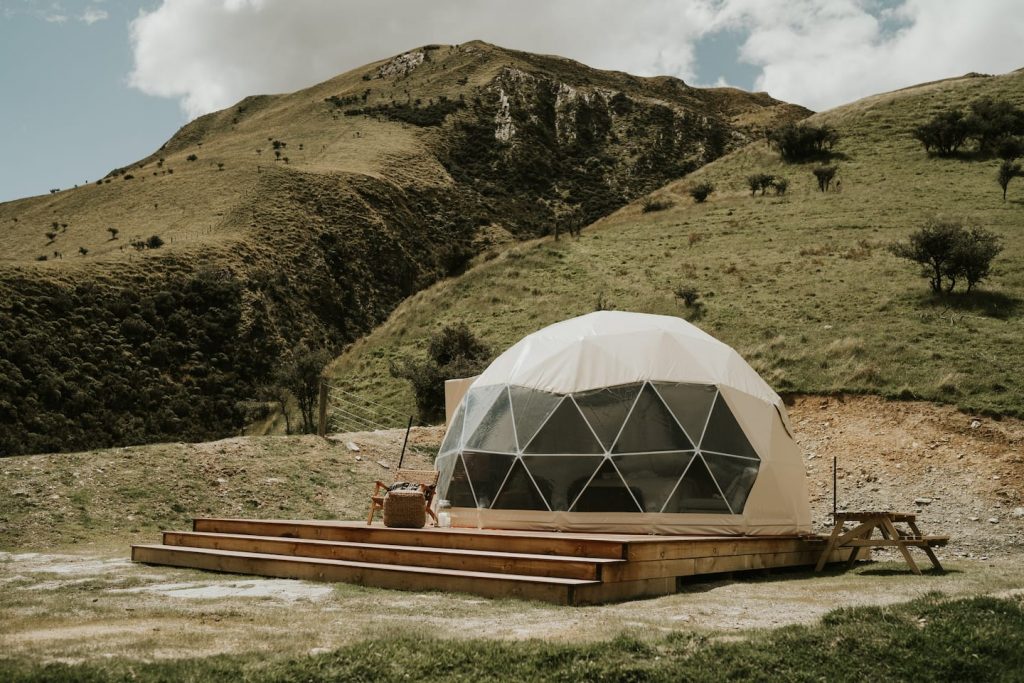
724 434
486 472
445 465
561 478
606 409
654 475
519 492
453 437
690 403
495 431
650 427
460 491
697 492
478 401
531 408
735 477
607 492
565 432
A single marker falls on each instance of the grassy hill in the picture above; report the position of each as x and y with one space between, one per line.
801 284
152 303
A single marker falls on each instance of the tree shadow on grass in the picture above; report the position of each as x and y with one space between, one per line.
998 305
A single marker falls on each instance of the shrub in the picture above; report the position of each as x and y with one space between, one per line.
947 252
992 120
801 142
83 251
759 182
155 242
1008 170
650 204
944 133
50 235
301 375
1009 147
780 184
191 157
453 352
825 174
701 191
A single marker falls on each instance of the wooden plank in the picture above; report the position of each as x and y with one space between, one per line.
596 594
668 548
555 590
732 563
634 571
441 558
548 544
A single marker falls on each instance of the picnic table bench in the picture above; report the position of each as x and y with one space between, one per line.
891 535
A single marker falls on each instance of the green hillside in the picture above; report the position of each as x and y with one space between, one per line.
802 284
152 304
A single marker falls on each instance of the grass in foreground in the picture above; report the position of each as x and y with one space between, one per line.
931 638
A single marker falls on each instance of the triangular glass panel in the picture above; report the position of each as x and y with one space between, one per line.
606 492
478 401
565 432
697 492
495 431
724 434
690 403
486 472
652 476
460 492
561 477
606 409
530 408
453 437
735 476
650 427
519 492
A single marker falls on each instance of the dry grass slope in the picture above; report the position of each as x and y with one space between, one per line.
802 285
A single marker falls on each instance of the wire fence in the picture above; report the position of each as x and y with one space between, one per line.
342 410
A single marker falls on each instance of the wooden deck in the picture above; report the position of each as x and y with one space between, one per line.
563 568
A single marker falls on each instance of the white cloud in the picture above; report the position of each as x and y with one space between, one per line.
56 18
820 53
91 15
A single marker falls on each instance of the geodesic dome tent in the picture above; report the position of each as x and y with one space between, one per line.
623 422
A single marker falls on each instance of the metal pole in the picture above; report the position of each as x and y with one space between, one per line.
402 456
833 488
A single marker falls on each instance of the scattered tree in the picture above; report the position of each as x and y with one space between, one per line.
1008 170
780 184
51 235
825 175
83 251
701 191
948 251
453 352
220 165
944 133
191 157
113 233
154 242
801 142
300 375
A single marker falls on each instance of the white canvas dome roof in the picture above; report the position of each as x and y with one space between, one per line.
623 422
609 348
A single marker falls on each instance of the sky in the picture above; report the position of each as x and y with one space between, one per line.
90 85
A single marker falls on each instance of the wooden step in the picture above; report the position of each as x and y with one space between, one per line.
535 543
414 556
548 589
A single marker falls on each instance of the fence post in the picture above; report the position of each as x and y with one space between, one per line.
321 428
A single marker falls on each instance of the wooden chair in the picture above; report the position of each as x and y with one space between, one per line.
427 480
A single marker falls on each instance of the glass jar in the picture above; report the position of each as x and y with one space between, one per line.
444 514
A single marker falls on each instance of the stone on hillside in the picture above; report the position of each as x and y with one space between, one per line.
353 446
384 464
1018 512
922 501
993 520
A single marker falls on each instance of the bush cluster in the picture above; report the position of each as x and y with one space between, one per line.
766 181
803 141
451 353
701 191
950 252
996 127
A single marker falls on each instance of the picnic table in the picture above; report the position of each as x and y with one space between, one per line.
891 535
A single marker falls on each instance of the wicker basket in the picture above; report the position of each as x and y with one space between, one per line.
405 509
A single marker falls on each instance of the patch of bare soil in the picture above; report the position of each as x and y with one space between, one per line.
963 475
